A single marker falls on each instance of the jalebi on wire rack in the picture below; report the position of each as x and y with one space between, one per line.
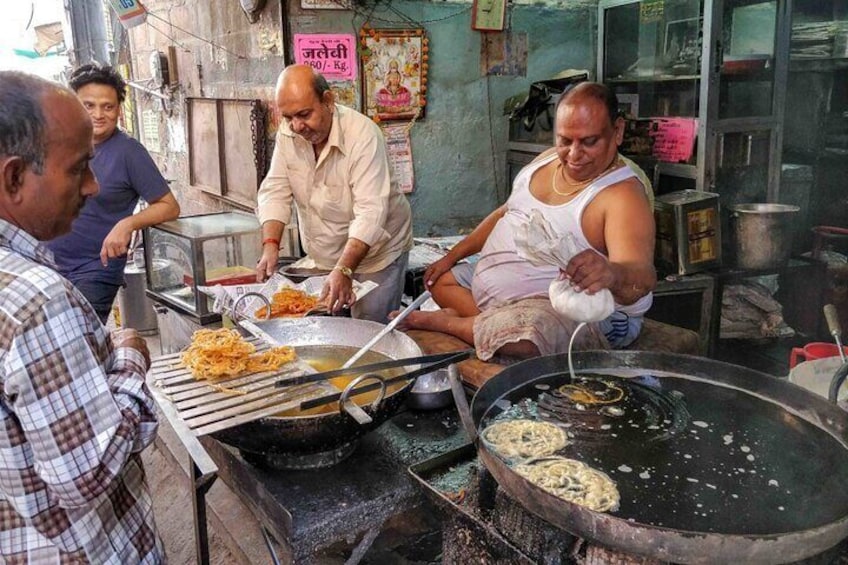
214 354
288 302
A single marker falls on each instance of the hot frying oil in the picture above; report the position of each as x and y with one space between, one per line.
329 358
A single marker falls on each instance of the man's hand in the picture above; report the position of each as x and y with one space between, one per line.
117 242
436 270
337 292
267 265
590 271
129 338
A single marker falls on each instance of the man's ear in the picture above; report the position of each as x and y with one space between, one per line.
12 170
328 98
619 130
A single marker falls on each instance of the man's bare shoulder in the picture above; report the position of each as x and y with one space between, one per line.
624 202
628 192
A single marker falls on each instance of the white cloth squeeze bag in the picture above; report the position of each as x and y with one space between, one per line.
537 242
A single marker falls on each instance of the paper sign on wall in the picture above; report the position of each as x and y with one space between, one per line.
674 138
400 156
331 54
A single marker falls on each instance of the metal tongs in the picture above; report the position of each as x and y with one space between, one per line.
355 387
427 360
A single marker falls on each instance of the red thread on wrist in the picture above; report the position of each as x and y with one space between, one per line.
271 240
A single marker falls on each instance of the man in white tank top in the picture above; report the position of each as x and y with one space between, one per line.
581 186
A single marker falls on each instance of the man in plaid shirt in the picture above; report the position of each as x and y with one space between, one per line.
74 410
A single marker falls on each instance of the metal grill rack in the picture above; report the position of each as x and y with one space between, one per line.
208 406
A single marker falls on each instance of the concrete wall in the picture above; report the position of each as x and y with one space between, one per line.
459 149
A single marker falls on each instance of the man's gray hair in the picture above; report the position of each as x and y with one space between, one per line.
320 84
22 125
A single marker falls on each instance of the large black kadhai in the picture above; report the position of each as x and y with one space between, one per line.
713 462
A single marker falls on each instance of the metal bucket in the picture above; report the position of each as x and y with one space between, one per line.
762 234
136 309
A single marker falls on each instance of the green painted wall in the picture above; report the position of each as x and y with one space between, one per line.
459 149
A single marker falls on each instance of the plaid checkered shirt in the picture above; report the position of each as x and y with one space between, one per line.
75 414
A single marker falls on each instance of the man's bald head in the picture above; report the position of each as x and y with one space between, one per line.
592 91
306 103
297 77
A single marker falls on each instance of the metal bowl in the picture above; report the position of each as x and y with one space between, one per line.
431 392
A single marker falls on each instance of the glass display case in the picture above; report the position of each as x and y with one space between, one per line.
204 250
701 83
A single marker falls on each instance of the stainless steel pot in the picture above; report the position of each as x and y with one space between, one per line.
136 308
762 234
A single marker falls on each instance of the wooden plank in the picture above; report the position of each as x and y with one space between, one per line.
242 182
204 142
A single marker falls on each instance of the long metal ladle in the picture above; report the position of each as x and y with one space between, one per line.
389 327
832 318
835 329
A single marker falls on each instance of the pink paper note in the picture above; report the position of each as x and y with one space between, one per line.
674 138
332 54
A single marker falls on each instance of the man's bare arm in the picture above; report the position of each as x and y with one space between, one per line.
628 238
117 241
465 248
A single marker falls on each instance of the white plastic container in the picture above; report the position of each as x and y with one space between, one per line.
816 375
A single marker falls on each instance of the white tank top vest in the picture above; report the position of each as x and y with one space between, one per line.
502 276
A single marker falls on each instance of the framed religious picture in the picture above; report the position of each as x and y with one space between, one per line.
682 47
488 15
394 73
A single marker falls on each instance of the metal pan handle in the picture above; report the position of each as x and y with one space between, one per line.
234 311
354 411
462 403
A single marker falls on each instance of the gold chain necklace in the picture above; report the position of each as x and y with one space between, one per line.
580 185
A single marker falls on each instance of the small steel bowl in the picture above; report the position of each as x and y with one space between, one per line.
431 392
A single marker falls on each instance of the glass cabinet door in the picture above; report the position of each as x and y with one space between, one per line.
650 53
746 58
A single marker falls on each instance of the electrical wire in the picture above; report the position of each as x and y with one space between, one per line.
371 7
199 38
174 41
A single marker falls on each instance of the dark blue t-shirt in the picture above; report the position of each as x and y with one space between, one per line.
125 171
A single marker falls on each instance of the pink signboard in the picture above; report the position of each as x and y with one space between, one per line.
332 54
674 138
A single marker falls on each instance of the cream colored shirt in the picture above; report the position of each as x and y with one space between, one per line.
346 193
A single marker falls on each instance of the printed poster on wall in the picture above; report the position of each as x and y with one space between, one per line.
400 156
332 54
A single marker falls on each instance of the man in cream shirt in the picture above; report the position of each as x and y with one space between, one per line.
353 221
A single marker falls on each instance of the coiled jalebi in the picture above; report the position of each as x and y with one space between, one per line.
214 354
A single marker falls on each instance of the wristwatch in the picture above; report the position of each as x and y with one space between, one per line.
346 271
